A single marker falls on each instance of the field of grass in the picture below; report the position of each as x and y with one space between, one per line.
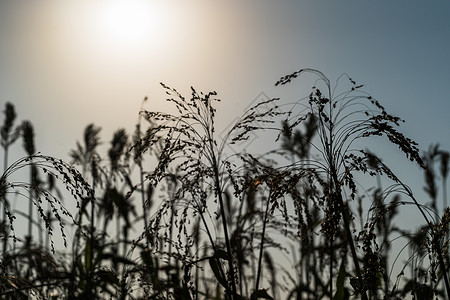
169 212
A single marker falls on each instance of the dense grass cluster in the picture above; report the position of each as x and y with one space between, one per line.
170 212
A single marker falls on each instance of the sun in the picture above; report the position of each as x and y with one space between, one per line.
129 22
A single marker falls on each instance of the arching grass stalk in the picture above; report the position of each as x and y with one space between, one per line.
436 231
189 148
343 119
274 184
189 137
435 234
70 178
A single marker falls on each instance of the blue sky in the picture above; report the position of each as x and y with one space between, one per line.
63 66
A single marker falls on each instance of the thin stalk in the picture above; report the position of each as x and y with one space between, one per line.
306 257
385 240
444 191
118 230
214 163
208 232
224 223
30 206
170 239
336 185
144 206
92 223
331 267
344 212
41 231
262 244
5 202
444 196
298 272
442 266
47 236
75 248
91 248
141 177
242 280
124 266
435 242
197 249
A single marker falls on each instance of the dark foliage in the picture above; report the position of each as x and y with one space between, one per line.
215 225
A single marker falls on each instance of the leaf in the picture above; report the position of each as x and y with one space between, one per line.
261 293
87 254
218 293
354 282
216 270
341 290
108 276
220 253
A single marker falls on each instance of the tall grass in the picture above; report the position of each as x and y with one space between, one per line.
214 225
342 119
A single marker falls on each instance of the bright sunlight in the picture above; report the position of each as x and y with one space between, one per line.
129 23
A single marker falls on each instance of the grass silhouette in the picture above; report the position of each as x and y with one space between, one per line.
212 225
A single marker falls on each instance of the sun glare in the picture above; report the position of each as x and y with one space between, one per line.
130 22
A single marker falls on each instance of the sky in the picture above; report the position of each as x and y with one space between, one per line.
65 64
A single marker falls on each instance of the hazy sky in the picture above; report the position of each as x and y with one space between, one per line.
65 64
